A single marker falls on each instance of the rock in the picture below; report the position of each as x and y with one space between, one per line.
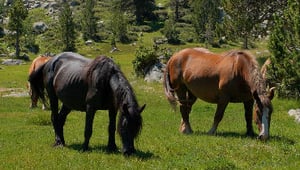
39 27
155 73
295 113
12 62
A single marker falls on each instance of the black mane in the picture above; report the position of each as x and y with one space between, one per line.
123 92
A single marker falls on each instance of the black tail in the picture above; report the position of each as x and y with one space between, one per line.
37 83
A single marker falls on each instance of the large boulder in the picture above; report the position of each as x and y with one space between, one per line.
155 73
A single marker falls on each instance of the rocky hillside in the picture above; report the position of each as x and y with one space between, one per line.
51 5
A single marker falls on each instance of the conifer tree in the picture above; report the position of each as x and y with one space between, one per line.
17 14
67 28
89 26
206 15
284 45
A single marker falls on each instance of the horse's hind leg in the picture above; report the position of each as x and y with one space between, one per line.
58 121
63 113
248 106
186 100
218 117
90 114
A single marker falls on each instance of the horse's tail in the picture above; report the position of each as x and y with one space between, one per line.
36 83
169 91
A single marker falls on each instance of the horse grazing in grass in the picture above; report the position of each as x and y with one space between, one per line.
218 78
36 63
89 85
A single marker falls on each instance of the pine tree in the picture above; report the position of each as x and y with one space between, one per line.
89 26
17 14
206 15
119 22
143 10
284 45
67 28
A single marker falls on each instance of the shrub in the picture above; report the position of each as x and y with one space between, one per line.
144 59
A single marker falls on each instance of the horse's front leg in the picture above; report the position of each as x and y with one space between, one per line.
218 117
248 106
111 130
90 114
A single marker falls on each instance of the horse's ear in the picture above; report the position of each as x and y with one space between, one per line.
142 108
257 99
271 93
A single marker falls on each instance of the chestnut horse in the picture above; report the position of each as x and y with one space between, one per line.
89 85
218 78
36 63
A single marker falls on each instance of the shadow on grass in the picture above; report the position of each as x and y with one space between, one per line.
224 134
281 139
103 148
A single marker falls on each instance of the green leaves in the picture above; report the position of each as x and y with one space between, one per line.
284 45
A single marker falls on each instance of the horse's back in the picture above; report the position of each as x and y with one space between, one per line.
66 76
209 76
37 62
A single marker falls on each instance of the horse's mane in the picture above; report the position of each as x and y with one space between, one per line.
252 73
124 94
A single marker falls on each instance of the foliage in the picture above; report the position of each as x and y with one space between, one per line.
119 22
143 9
284 45
206 14
67 28
249 19
89 21
144 58
17 14
2 11
170 31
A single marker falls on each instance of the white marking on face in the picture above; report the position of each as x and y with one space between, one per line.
265 126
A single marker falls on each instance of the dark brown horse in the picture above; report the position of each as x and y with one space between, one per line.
218 78
36 63
89 85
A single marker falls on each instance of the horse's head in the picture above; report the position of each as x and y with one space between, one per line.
130 125
262 113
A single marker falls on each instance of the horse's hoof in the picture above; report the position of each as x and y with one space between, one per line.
58 144
112 148
185 129
128 152
211 133
250 134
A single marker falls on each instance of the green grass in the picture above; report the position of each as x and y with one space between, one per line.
27 135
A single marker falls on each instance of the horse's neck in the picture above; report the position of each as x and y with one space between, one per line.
122 90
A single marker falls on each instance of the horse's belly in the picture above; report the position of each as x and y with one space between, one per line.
74 100
205 90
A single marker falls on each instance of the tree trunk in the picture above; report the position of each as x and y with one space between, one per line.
17 44
245 44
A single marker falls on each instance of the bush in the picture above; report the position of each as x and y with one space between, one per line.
144 59
285 48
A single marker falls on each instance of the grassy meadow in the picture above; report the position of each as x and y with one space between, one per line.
26 134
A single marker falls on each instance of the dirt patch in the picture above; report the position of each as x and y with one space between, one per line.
13 92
